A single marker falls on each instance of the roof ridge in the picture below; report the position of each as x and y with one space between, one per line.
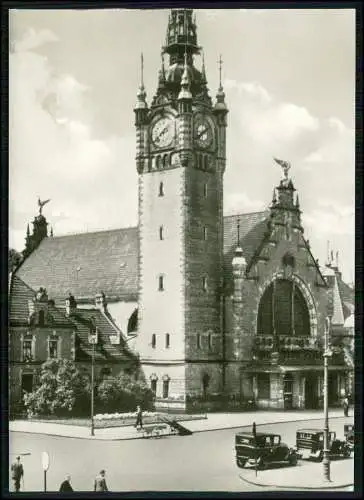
246 213
98 231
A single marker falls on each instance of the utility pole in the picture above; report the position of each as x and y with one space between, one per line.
93 338
327 355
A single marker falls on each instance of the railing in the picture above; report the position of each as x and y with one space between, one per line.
265 343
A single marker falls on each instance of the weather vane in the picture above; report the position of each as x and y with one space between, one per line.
285 166
41 204
219 62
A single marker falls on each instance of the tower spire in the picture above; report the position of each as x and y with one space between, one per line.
185 92
220 95
238 232
141 95
220 61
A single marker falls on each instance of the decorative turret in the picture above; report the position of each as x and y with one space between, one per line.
285 207
185 93
40 232
239 267
220 107
141 106
181 36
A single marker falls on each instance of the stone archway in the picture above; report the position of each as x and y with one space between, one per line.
293 311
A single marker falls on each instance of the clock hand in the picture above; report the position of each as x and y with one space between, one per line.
201 133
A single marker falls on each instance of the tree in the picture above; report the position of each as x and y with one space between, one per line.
62 391
123 393
14 259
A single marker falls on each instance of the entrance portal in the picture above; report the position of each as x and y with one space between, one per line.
27 382
288 391
311 391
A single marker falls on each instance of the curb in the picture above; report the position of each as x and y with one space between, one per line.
296 487
99 438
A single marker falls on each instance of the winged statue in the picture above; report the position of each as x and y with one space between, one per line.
285 165
41 204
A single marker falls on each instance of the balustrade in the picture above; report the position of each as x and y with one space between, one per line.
265 342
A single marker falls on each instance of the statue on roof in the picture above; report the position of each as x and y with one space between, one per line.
285 166
41 204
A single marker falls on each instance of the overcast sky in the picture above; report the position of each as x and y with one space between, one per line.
289 78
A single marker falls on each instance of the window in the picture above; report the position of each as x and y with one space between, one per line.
154 340
161 283
204 284
263 380
205 384
27 349
158 162
209 338
41 318
198 340
153 386
205 233
205 190
167 340
165 388
27 382
161 232
53 348
165 161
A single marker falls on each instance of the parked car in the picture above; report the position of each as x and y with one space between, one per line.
310 445
349 435
261 449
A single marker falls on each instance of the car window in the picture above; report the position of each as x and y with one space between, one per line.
321 437
267 440
276 440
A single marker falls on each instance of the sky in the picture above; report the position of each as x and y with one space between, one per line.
289 79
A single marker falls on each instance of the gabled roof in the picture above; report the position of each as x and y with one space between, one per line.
87 263
19 295
104 350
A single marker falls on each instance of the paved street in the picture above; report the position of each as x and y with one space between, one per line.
201 462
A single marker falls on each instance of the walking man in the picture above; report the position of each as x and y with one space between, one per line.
17 473
100 482
66 485
139 420
346 406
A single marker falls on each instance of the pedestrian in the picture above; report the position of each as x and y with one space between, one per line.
346 406
66 485
100 482
139 420
17 474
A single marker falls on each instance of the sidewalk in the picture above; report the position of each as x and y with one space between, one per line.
214 421
305 476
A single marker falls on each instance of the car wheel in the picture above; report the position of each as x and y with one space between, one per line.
293 459
260 463
241 463
347 452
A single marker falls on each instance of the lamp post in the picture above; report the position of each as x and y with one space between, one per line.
327 354
93 341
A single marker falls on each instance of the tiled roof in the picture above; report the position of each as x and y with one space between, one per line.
104 350
87 263
347 296
19 295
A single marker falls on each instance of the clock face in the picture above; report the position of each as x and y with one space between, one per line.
163 132
203 132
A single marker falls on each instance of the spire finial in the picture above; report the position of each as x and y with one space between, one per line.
238 231
142 70
220 61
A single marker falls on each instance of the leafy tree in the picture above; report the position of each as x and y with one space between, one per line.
62 391
14 259
123 393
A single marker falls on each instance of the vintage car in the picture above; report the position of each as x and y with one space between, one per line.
349 434
261 449
310 445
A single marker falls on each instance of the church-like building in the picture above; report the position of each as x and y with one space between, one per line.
221 308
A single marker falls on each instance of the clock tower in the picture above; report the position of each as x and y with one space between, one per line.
180 158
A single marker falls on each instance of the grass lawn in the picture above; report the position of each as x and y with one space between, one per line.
117 422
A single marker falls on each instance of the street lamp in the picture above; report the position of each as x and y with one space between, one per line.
327 355
93 341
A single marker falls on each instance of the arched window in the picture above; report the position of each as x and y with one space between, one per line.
209 339
167 340
283 308
205 233
133 322
198 341
158 162
165 386
154 340
161 283
161 189
161 233
205 162
204 284
153 386
205 384
165 161
205 190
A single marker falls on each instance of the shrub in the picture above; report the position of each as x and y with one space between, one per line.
62 391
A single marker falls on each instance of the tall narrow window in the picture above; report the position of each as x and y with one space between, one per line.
205 190
27 349
198 341
153 386
209 341
161 189
53 348
205 233
161 233
204 284
165 161
165 388
161 283
41 318
154 340
167 340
